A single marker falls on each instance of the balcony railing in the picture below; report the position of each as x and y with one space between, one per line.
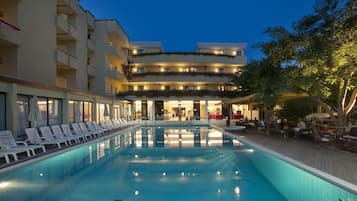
178 93
66 59
116 51
66 28
9 32
211 74
188 57
68 6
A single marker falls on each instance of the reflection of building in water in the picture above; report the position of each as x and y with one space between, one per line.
180 137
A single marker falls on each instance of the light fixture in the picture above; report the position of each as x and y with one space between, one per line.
135 51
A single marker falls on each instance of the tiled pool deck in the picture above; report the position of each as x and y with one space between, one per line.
327 158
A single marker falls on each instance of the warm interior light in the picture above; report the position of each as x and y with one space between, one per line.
162 69
135 51
180 70
216 70
198 88
134 70
181 87
162 87
135 88
234 53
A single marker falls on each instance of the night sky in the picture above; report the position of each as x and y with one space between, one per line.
180 24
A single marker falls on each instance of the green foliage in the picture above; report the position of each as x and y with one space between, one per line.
294 109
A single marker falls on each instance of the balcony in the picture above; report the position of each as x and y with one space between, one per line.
178 93
117 52
66 60
70 7
65 30
90 45
115 31
8 34
90 20
91 71
180 57
112 73
182 77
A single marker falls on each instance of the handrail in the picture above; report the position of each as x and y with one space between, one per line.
10 25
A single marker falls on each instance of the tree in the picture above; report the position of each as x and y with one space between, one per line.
326 50
296 108
323 48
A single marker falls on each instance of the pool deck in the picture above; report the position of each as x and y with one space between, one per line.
327 158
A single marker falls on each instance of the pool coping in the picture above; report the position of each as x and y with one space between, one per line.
319 173
61 151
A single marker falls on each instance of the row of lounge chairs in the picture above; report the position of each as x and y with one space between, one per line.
58 136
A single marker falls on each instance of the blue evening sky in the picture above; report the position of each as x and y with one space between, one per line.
180 24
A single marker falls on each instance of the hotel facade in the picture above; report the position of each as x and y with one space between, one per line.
55 54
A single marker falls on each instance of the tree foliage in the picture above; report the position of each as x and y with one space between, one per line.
293 109
319 56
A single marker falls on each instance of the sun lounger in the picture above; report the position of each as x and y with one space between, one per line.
99 127
9 146
5 155
57 132
34 137
84 128
80 132
91 127
67 132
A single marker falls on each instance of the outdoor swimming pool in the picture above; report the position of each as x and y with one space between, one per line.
166 163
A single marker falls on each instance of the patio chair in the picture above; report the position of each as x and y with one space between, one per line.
34 137
9 146
348 142
67 132
57 132
78 131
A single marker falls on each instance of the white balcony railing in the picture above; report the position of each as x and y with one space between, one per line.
66 59
67 28
9 33
116 51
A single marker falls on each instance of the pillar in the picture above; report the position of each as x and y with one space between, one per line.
11 110
65 109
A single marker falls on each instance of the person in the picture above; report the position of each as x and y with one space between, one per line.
299 127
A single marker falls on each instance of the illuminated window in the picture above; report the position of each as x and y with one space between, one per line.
220 88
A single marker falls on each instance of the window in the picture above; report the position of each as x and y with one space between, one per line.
130 88
167 88
140 51
2 111
79 111
166 70
140 70
220 88
140 88
50 111
239 53
221 70
103 112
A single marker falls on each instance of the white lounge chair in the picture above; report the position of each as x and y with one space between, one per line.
83 127
91 127
34 137
57 132
98 127
67 132
78 131
5 155
9 146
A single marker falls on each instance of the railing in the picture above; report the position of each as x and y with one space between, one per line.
185 74
66 59
117 51
67 27
179 93
9 25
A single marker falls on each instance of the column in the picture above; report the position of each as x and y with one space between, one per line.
94 110
65 109
11 110
207 115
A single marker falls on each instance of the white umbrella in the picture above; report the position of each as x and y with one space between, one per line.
77 112
106 111
320 116
34 116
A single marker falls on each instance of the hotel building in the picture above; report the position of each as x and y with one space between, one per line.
83 69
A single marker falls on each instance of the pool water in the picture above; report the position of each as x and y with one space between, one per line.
164 163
